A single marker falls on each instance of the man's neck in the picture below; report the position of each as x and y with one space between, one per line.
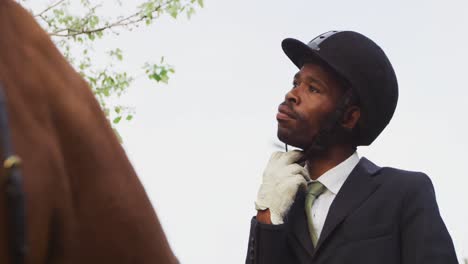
319 164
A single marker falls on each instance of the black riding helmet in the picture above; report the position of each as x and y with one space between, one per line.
364 65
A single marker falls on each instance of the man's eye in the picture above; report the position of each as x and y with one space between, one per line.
294 84
313 89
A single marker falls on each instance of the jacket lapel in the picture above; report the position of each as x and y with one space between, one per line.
356 189
297 223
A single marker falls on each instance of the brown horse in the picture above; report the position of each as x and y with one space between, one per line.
84 202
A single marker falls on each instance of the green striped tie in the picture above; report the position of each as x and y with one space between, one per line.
314 190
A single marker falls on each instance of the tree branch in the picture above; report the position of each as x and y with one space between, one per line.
49 8
126 21
83 23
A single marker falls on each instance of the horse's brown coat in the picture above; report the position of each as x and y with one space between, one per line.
84 202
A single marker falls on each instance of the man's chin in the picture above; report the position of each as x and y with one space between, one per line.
287 137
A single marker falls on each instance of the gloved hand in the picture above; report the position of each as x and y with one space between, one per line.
281 180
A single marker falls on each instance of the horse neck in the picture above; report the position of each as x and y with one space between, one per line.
83 198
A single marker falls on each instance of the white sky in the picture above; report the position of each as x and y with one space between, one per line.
200 144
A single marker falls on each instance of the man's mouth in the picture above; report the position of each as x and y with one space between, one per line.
285 113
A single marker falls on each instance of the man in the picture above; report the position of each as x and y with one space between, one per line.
324 204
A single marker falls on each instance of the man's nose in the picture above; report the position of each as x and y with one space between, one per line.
292 96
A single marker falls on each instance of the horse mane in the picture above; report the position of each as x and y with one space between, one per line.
84 202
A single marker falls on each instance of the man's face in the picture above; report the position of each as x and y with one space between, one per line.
307 105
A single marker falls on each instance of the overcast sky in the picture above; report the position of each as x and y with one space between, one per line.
200 144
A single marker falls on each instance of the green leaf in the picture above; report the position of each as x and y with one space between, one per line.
155 76
129 117
190 12
117 120
173 10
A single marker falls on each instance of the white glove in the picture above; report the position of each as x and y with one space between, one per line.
281 180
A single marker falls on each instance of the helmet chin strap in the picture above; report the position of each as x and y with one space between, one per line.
324 137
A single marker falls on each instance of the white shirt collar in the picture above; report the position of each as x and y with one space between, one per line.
335 177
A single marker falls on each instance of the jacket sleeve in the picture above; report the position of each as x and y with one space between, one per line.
267 244
424 236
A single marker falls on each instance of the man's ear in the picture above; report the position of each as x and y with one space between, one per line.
351 117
